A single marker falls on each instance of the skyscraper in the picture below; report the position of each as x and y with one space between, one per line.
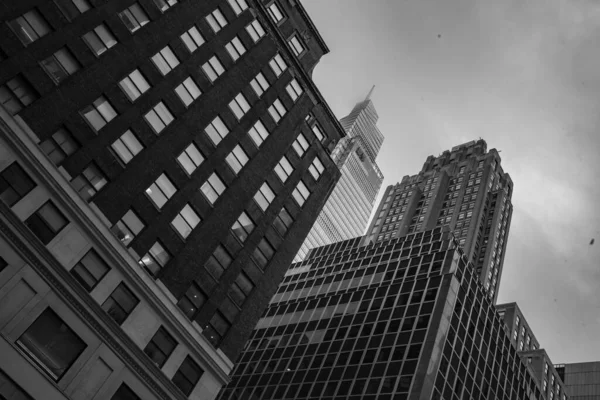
161 162
582 380
465 189
346 212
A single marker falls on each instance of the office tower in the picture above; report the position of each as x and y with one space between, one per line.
465 189
582 380
161 162
346 212
402 318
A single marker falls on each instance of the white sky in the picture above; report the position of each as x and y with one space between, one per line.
525 76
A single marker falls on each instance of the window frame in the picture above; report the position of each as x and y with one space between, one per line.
45 224
117 311
152 345
80 269
60 70
190 225
93 37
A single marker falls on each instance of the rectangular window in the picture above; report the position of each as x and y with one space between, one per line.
60 65
155 259
165 60
120 303
71 9
134 17
275 13
89 182
278 65
296 44
241 289
187 376
134 85
46 222
100 39
284 169
193 299
237 159
264 196
216 130
128 227
213 188
51 344
185 221
217 328
316 168
164 5
259 84
159 117
30 26
238 6
318 132
216 20
15 183
127 146
301 193
213 68
99 113
160 347
188 91
17 94
90 270
239 105
283 222
190 159
255 30
192 39
258 133
263 253
243 227
124 393
277 110
294 89
161 191
235 48
218 262
300 145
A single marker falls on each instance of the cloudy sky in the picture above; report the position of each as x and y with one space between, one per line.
525 76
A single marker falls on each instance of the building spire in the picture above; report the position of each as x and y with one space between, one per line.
370 93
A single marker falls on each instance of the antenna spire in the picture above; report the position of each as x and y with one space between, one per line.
370 93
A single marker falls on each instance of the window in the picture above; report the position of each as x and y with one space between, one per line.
120 303
258 133
15 183
213 68
296 44
241 289
238 6
300 145
243 227
134 17
216 130
100 113
239 105
278 65
124 393
160 347
71 9
237 159
89 182
30 26
294 89
187 376
284 169
264 196
275 13
218 262
193 299
283 222
277 110
235 48
161 191
164 5
100 39
263 253
17 94
259 84
90 270
216 20
213 188
255 30
185 221
159 117
316 168
134 85
301 193
155 259
217 328
60 65
46 222
60 145
51 344
190 159
165 60
128 227
318 132
192 39
188 91
127 146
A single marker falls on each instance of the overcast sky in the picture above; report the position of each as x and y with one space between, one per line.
525 76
